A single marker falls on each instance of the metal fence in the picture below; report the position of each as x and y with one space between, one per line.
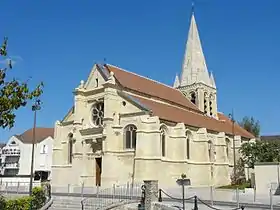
15 189
214 196
117 195
12 190
94 197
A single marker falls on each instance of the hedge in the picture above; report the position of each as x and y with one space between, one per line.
37 199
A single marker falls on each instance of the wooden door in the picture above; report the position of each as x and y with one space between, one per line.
98 170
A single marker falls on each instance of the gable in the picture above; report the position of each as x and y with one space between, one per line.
70 115
13 141
95 79
130 105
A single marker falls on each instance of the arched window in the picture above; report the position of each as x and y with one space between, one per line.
188 145
210 149
70 148
163 141
211 99
193 97
130 136
227 148
205 103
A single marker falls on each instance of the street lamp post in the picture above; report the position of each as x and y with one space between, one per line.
233 144
35 107
183 181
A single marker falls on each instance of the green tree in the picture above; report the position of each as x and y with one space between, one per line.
259 151
251 125
14 94
239 177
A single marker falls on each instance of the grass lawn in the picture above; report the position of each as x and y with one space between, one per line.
240 186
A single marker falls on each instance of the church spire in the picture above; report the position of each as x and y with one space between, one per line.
194 69
176 83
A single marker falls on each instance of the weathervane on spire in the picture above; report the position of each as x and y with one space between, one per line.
192 6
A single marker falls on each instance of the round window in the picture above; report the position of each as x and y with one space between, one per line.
98 114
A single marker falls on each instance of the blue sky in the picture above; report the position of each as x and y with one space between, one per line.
59 41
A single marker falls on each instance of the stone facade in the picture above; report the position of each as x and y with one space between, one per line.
125 128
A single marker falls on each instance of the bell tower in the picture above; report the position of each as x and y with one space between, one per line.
195 82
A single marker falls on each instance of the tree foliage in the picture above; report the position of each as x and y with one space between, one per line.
14 94
239 176
251 125
260 151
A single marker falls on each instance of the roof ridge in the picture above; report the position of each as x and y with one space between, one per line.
142 76
177 107
36 128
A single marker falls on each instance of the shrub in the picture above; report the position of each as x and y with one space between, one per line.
22 203
37 200
38 197
2 202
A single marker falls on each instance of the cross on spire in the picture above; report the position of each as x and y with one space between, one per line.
194 69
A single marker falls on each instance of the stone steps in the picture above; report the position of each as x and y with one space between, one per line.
64 203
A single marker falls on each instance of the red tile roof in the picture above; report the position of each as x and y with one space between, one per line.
40 135
188 113
151 88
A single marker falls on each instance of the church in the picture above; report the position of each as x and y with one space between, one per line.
124 127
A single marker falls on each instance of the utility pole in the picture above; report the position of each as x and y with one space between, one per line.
233 144
35 107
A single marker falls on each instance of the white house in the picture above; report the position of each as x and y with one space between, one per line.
1 147
17 153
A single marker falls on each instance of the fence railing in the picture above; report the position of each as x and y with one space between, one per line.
118 194
213 196
14 189
194 199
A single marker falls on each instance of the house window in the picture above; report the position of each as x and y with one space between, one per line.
162 141
188 146
98 114
44 149
130 136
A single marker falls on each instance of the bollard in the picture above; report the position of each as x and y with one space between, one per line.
17 187
82 189
97 191
271 201
127 188
237 197
82 205
195 203
159 196
255 193
211 196
114 191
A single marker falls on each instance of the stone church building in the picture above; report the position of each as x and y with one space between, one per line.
124 127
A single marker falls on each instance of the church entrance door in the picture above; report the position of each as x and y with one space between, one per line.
98 170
